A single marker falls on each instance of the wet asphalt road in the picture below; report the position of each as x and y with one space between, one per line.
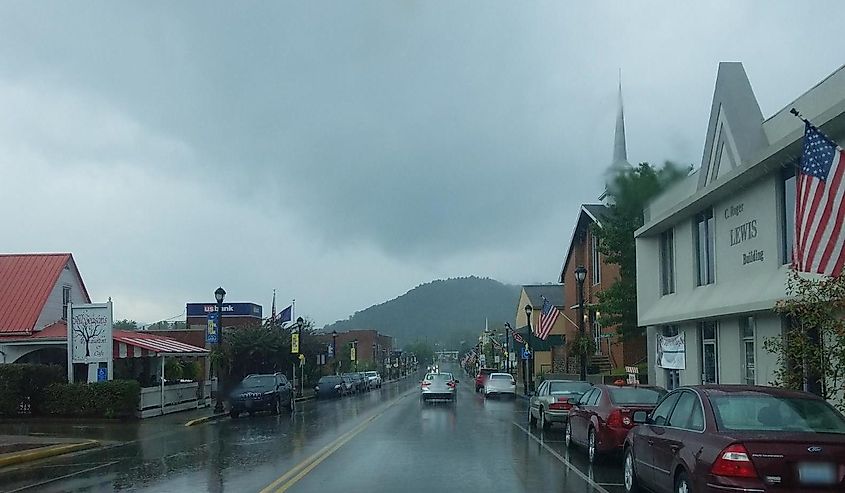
385 440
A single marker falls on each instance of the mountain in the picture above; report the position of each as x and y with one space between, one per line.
443 311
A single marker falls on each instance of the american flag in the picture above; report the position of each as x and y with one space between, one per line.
819 211
547 319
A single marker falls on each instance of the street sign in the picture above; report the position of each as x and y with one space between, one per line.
352 355
294 343
331 351
526 353
496 359
518 338
102 374
211 329
301 360
633 373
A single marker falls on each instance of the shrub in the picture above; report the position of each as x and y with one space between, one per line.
173 369
192 370
112 399
22 387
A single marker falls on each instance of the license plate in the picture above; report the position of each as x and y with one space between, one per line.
816 473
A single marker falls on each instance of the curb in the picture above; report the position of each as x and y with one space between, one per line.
304 398
44 452
206 419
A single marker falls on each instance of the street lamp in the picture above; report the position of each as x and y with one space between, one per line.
580 275
528 310
334 350
299 324
374 353
219 295
355 352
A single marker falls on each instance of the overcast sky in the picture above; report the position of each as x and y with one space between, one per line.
344 152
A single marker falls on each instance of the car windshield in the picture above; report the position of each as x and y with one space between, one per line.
259 381
634 395
560 388
775 413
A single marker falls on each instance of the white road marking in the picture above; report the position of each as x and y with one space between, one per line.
565 462
53 480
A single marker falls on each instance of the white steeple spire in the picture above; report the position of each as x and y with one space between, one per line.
620 152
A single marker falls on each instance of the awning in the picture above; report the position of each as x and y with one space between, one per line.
128 344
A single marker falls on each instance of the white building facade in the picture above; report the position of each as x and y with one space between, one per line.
713 255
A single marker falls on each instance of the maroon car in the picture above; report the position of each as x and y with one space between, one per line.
600 419
737 438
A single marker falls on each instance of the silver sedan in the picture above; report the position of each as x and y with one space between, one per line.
499 384
438 386
550 403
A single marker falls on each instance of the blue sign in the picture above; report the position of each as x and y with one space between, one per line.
229 309
331 351
526 353
211 328
102 374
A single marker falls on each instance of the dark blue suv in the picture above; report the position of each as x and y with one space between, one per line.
262 393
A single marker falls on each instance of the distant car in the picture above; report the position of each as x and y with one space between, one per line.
736 438
550 403
374 378
348 384
500 384
358 382
366 379
330 386
601 419
482 375
438 386
261 393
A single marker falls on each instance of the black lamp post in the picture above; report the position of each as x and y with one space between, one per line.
219 295
334 350
580 275
508 347
299 324
528 310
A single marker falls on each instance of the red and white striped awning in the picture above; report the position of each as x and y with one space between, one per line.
140 345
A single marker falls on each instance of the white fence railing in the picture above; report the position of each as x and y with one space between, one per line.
156 401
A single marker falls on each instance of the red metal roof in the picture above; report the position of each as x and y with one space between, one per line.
26 281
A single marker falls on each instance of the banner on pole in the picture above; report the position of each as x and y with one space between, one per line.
671 352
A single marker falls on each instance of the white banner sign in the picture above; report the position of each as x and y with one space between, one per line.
90 333
671 352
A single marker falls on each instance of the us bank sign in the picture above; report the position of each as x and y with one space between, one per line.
742 230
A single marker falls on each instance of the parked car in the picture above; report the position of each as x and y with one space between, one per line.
732 438
261 393
550 403
366 379
348 384
374 378
359 385
601 419
499 384
438 386
481 377
330 386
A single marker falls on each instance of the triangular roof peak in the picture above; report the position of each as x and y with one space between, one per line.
735 130
619 162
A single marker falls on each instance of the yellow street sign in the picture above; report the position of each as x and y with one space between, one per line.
294 343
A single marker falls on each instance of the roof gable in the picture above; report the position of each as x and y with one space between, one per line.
536 293
595 214
26 281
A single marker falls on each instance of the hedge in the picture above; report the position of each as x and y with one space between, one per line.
22 387
112 399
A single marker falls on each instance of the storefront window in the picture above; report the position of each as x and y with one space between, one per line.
788 213
667 261
709 352
746 329
705 229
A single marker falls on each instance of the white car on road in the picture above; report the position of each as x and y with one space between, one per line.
499 384
374 378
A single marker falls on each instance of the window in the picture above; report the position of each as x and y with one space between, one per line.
746 331
667 261
594 398
761 412
788 188
543 390
661 413
65 301
705 229
688 413
586 398
596 260
709 352
673 377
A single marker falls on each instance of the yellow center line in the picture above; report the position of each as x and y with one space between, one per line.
284 482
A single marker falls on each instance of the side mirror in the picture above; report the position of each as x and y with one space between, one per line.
640 417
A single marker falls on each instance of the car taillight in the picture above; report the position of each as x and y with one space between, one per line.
451 384
615 418
733 462
426 383
560 406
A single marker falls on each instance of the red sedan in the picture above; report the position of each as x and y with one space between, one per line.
600 419
737 438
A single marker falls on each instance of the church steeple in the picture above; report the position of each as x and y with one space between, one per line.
620 152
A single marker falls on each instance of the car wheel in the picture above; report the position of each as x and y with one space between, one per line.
630 475
234 414
682 483
591 445
567 435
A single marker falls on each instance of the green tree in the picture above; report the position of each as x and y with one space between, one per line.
422 349
631 191
811 351
125 325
